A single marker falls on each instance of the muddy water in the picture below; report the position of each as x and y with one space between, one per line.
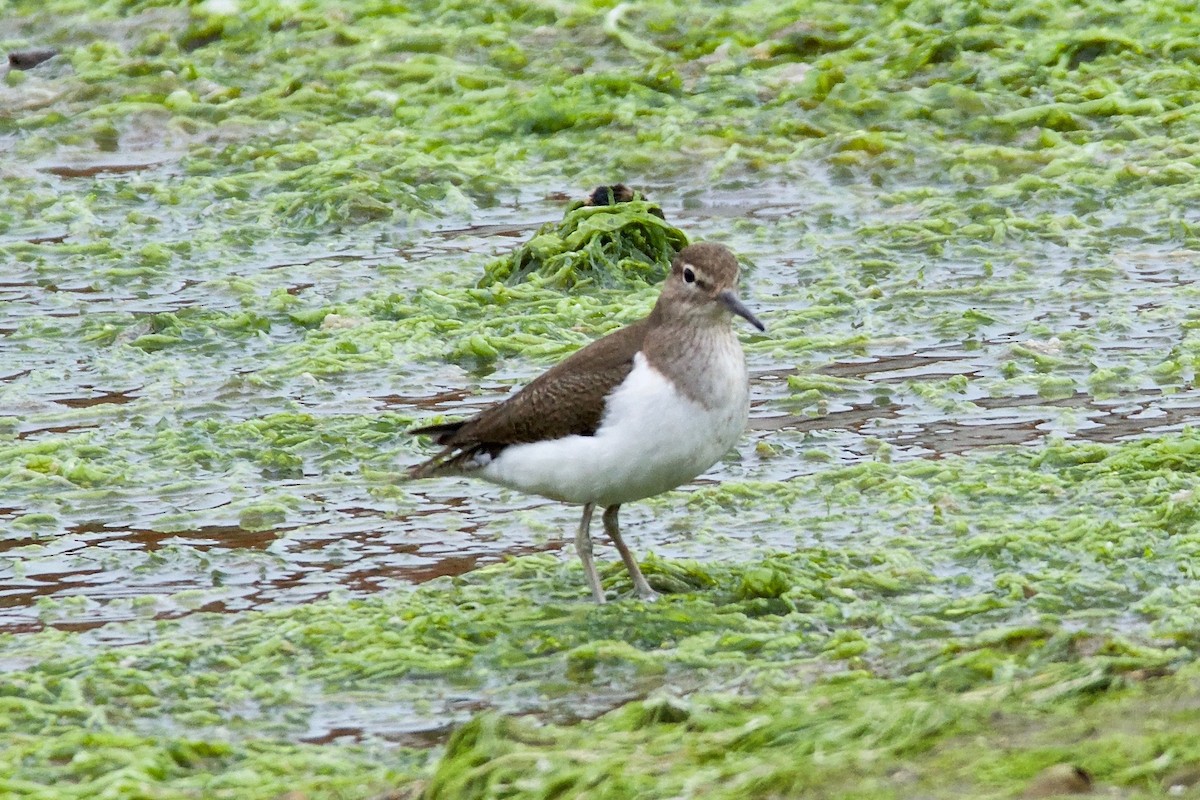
352 545
174 541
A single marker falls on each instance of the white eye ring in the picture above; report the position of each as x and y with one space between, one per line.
688 275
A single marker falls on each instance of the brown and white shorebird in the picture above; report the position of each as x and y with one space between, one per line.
631 415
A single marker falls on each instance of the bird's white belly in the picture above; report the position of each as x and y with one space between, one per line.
652 438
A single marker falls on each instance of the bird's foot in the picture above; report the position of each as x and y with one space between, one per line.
640 585
648 595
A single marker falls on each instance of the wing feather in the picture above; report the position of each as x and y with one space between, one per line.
566 400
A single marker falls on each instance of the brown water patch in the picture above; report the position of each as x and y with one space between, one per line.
1126 424
92 170
228 569
946 438
201 538
27 432
1077 400
1108 420
49 239
114 397
453 566
441 401
887 363
28 59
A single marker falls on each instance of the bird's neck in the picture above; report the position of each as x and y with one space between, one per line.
701 356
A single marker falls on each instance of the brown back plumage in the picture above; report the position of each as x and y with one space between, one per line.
567 399
696 302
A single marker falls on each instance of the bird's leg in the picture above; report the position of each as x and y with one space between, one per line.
583 546
614 532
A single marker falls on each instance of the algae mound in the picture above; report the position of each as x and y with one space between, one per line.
614 238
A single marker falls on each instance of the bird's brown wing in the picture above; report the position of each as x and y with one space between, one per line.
567 399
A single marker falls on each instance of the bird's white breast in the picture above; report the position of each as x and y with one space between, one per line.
651 439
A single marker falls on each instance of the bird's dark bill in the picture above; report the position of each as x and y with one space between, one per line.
734 304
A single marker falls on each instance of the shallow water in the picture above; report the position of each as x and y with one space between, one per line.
139 549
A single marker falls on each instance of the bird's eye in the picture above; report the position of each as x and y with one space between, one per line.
688 275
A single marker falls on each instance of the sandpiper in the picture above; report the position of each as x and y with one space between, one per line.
631 415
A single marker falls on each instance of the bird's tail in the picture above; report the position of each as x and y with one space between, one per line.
442 433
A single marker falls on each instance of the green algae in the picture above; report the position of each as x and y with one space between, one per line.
623 243
804 642
254 250
101 764
854 738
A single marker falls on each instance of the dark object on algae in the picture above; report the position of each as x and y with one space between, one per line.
610 195
28 59
617 193
614 238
